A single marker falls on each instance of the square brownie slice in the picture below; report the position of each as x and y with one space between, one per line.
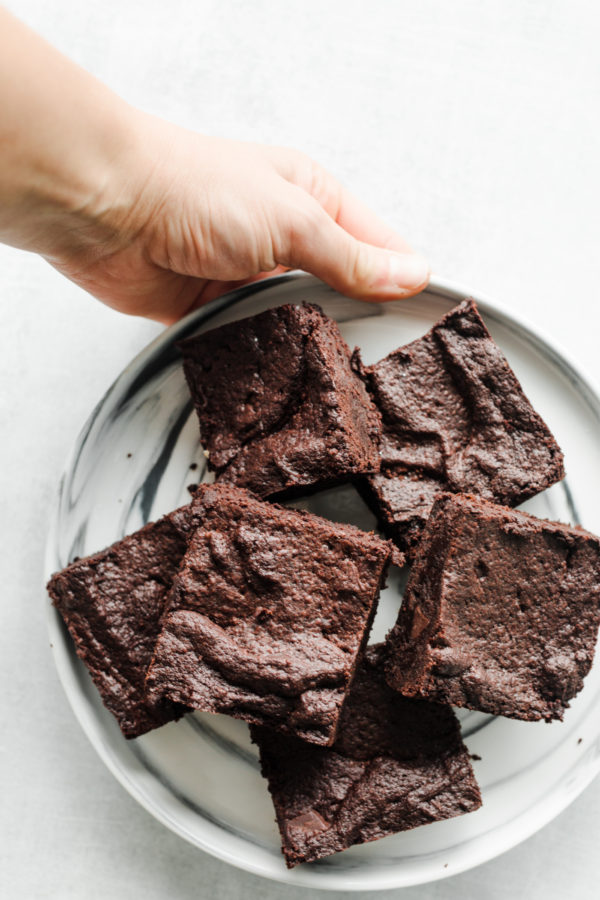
111 603
455 418
500 613
281 410
268 614
396 764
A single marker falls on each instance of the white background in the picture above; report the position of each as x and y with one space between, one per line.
472 126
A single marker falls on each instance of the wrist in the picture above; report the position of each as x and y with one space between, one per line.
60 193
64 138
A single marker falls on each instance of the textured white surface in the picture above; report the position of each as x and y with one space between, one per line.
473 128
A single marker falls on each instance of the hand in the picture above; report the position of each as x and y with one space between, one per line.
209 214
155 220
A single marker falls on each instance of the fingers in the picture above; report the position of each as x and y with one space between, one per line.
311 239
352 214
348 211
361 222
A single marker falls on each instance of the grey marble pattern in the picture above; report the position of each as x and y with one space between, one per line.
473 128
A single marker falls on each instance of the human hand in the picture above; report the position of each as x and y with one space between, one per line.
155 220
208 214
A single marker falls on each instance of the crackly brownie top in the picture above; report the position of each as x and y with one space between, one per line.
268 613
278 402
112 603
500 613
396 763
455 418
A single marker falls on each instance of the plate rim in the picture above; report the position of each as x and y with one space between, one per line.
507 835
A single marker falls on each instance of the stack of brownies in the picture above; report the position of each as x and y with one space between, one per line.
236 604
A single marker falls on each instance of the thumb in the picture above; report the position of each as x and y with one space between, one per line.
313 241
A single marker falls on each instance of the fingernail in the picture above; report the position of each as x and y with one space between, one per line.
407 270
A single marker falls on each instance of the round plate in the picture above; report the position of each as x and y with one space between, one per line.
133 462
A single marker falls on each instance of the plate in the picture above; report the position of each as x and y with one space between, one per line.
134 460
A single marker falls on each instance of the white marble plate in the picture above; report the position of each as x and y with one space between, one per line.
200 777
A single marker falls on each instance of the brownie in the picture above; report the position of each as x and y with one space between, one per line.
396 763
455 418
500 613
268 614
281 410
112 603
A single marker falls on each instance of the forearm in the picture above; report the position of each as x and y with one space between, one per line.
62 134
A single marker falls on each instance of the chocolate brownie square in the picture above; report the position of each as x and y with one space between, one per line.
500 613
268 614
455 418
396 764
111 603
280 408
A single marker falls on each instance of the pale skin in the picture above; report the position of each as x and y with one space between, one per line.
155 220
